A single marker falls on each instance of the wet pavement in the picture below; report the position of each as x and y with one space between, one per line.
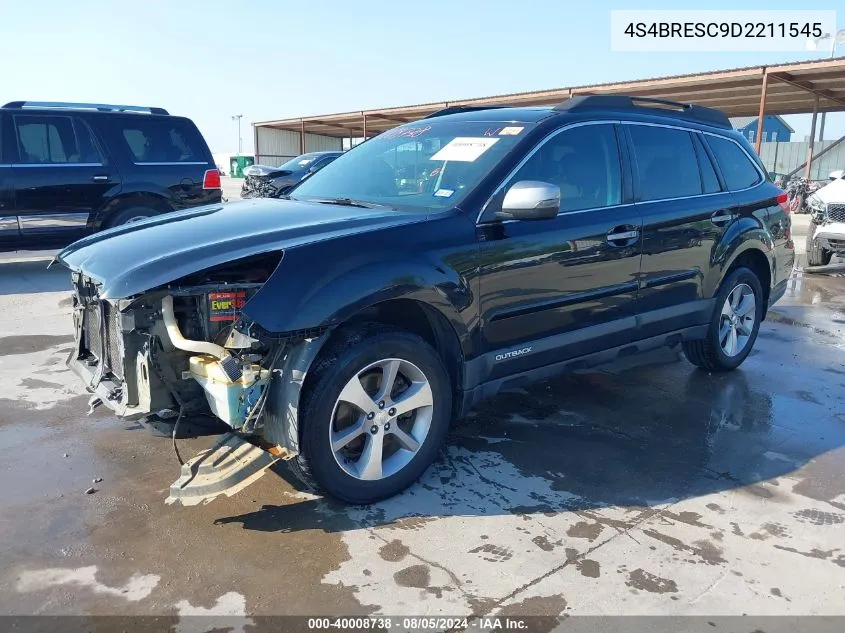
643 488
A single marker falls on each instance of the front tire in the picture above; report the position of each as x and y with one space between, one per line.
734 326
816 255
374 416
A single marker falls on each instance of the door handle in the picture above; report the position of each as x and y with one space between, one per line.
100 178
722 217
624 235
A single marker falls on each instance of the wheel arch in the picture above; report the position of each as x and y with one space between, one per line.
420 318
127 199
746 243
282 424
755 259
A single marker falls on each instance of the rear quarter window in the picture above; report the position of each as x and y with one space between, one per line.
161 140
737 168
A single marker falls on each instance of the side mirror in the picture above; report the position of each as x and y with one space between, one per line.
836 175
531 200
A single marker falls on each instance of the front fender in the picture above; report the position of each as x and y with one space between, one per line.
326 290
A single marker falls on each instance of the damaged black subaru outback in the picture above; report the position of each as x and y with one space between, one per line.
343 327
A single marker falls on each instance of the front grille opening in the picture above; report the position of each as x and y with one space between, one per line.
836 212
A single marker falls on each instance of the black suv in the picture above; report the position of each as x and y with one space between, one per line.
345 326
68 169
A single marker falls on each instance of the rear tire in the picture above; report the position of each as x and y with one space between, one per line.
129 215
361 356
816 255
732 332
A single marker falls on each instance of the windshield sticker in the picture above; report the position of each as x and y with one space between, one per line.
444 193
510 131
464 149
404 132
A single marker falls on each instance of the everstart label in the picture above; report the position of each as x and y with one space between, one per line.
225 306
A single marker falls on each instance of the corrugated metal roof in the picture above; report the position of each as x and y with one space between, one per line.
792 88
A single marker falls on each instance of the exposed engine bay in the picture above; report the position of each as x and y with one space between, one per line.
175 348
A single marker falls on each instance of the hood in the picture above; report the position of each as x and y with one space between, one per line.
265 170
133 258
832 193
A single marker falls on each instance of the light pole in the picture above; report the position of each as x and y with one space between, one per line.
836 40
238 117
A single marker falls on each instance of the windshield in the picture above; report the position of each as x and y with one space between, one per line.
429 163
301 162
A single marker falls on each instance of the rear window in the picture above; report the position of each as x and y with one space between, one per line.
161 140
666 162
737 168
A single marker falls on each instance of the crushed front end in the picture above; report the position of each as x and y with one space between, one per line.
126 353
184 350
179 348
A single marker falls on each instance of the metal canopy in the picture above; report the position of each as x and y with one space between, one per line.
753 91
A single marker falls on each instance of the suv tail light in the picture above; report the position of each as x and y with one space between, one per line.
783 201
211 180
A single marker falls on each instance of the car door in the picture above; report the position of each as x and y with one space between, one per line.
556 289
684 212
9 233
61 177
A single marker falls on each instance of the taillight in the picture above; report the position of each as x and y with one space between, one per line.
211 180
783 201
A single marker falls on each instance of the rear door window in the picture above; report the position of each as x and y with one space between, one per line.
666 163
50 140
161 140
737 168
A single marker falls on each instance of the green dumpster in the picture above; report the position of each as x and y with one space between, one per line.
238 164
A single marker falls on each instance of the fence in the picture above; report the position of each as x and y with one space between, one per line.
782 158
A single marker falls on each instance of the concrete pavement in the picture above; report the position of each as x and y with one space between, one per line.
641 488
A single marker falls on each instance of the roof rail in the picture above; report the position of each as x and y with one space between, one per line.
698 113
463 108
100 107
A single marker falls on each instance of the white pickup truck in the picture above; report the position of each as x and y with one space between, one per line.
826 236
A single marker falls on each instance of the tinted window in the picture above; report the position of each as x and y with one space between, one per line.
666 162
709 180
54 139
161 140
737 169
583 162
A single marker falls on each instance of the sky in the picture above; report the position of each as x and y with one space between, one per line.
267 59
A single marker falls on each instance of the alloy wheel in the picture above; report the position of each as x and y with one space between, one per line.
381 419
736 325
